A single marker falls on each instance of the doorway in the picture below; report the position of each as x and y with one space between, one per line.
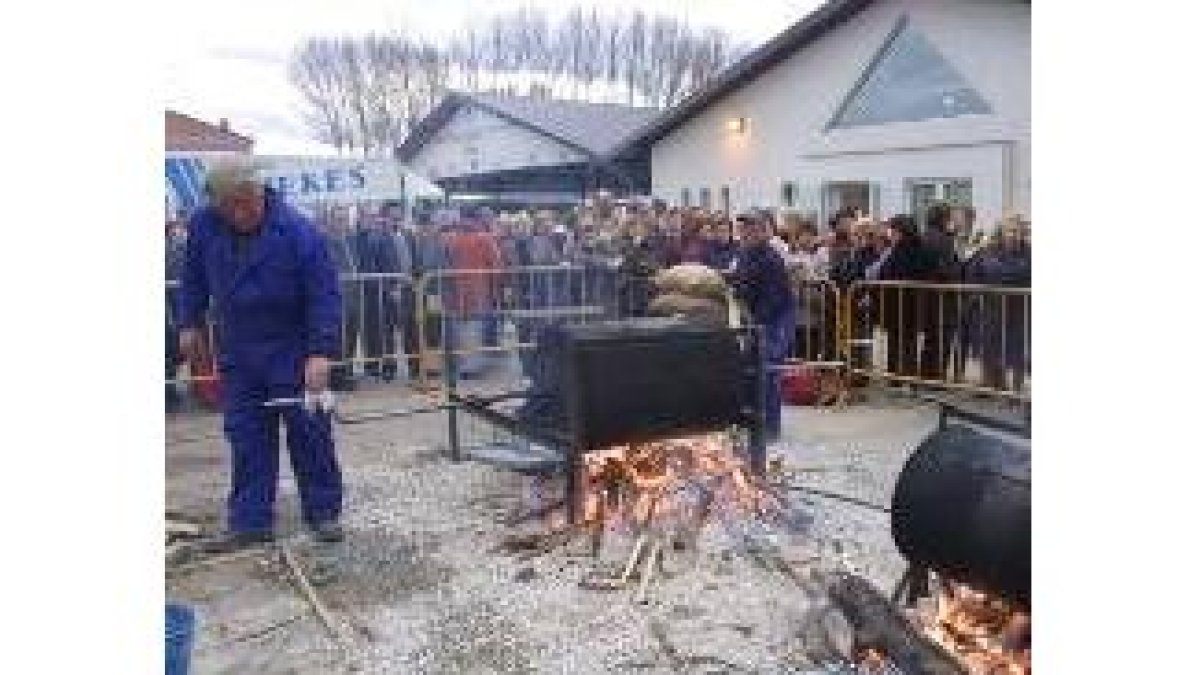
862 196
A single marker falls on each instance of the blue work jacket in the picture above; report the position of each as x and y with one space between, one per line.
273 304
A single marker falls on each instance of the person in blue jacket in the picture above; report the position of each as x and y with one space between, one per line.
760 280
263 272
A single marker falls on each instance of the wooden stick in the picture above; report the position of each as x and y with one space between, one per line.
659 632
539 512
878 624
633 559
264 631
206 562
648 572
310 594
182 528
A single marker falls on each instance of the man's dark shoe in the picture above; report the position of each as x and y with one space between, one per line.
329 532
229 542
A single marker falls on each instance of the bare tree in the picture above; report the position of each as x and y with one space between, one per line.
315 72
366 94
635 54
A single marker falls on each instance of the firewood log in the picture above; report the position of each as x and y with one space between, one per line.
879 625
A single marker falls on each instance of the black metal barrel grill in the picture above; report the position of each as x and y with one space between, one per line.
961 507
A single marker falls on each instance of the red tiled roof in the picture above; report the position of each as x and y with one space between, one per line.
188 134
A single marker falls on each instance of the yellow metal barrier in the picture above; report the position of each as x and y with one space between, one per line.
818 322
963 337
952 336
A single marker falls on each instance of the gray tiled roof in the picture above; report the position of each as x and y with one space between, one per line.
593 128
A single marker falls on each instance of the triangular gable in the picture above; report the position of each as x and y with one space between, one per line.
908 81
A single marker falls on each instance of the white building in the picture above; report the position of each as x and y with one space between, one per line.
888 105
526 150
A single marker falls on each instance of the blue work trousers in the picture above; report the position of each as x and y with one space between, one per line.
253 433
778 336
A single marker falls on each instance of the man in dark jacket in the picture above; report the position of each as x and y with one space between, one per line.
760 280
336 231
1003 319
379 255
273 290
850 254
942 320
902 309
404 290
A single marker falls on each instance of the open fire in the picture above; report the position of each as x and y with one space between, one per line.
991 636
663 494
653 502
676 482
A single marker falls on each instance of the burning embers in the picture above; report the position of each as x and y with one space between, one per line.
953 630
672 484
651 502
991 636
663 493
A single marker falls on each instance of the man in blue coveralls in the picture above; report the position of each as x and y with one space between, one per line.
760 280
264 274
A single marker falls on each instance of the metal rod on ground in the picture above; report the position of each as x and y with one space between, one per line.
947 409
835 496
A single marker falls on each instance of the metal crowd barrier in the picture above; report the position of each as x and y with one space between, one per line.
817 322
951 336
378 333
379 326
497 313
965 337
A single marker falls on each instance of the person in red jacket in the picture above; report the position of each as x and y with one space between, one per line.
472 294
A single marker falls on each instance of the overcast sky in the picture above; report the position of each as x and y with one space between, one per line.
228 58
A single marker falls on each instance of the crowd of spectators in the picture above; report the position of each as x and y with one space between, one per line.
620 247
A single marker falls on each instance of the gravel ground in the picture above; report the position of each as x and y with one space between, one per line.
425 587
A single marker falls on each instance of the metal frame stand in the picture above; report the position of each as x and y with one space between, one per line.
450 375
758 416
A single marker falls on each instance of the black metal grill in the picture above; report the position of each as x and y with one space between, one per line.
635 381
602 384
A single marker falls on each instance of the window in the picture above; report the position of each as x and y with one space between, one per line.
908 81
705 198
685 197
789 195
925 192
475 164
725 199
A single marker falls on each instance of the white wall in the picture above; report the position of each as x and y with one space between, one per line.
499 144
790 106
